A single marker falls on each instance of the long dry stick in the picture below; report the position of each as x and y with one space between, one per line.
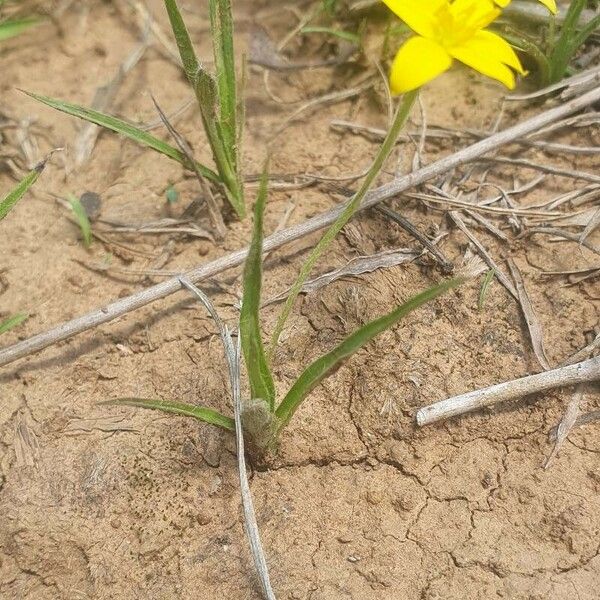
583 372
399 185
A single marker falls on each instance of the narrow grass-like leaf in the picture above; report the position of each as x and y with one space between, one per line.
240 113
208 96
184 43
9 202
569 40
339 33
580 39
12 322
259 373
82 220
329 6
126 129
324 365
222 34
487 281
208 415
384 151
14 27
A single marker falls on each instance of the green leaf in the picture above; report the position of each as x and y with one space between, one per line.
126 129
221 23
324 365
384 151
14 27
581 37
344 35
208 415
259 373
208 96
82 220
487 281
12 322
329 6
184 43
9 202
569 40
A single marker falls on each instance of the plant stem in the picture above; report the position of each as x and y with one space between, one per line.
385 150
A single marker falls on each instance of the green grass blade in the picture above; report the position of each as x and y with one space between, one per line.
240 113
208 415
12 322
339 33
126 129
12 28
324 365
207 95
204 86
487 281
221 22
182 38
82 220
563 49
386 147
259 373
581 37
9 202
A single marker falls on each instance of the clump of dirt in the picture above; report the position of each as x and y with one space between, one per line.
99 502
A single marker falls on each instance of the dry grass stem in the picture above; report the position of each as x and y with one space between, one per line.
582 372
142 298
533 324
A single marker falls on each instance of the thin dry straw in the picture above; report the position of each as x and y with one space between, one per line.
166 288
232 354
583 372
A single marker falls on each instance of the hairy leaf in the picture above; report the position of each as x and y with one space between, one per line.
259 373
9 202
127 129
208 415
323 366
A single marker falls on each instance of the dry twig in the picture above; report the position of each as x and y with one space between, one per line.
533 323
583 372
142 298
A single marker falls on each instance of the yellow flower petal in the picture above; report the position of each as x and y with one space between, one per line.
473 14
550 5
500 48
418 61
417 15
489 54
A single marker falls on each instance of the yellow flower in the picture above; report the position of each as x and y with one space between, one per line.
448 30
549 4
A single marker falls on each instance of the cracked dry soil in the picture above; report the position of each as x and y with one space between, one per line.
98 502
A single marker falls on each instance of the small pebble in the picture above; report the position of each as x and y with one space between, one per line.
92 204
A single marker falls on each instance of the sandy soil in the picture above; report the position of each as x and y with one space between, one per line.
99 502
